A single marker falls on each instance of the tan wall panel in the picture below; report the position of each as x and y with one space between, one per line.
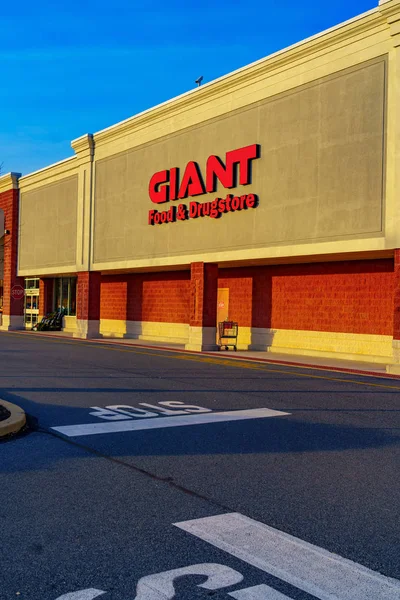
320 175
48 226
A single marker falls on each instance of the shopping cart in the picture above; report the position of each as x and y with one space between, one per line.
227 335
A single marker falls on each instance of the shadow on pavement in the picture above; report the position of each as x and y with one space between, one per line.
284 434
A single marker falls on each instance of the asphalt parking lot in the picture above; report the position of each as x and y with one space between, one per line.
147 473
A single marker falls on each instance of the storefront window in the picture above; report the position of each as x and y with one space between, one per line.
31 301
32 284
65 294
1 294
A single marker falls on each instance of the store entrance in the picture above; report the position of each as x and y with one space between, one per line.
222 307
31 302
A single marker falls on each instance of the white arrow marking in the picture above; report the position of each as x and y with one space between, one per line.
259 592
163 422
310 568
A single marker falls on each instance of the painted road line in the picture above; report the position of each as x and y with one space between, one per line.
89 594
312 569
163 422
259 592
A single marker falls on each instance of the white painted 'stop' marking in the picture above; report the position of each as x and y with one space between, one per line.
161 586
162 422
310 568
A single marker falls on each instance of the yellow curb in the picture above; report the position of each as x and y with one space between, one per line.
15 422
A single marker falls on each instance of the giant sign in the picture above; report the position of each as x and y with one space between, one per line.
167 185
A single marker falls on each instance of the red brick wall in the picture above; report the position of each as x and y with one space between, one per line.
203 294
9 204
88 296
156 297
396 294
113 296
242 306
348 297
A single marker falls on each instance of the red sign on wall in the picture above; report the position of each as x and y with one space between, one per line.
17 292
167 185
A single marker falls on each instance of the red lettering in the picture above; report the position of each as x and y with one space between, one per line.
181 214
192 184
173 183
251 201
214 212
221 205
216 169
171 214
193 210
151 216
235 202
206 209
226 174
243 157
164 185
159 194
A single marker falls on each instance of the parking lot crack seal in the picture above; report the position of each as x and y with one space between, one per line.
165 480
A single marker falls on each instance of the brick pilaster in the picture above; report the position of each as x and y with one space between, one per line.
13 310
396 295
203 306
395 367
88 304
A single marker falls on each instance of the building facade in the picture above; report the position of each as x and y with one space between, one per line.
270 197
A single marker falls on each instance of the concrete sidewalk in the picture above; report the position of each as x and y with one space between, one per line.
314 362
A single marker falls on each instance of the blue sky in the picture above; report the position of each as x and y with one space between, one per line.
80 67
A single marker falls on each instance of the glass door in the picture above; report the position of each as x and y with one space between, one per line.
31 302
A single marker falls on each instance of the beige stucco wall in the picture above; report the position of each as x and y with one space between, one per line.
48 226
325 112
320 175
